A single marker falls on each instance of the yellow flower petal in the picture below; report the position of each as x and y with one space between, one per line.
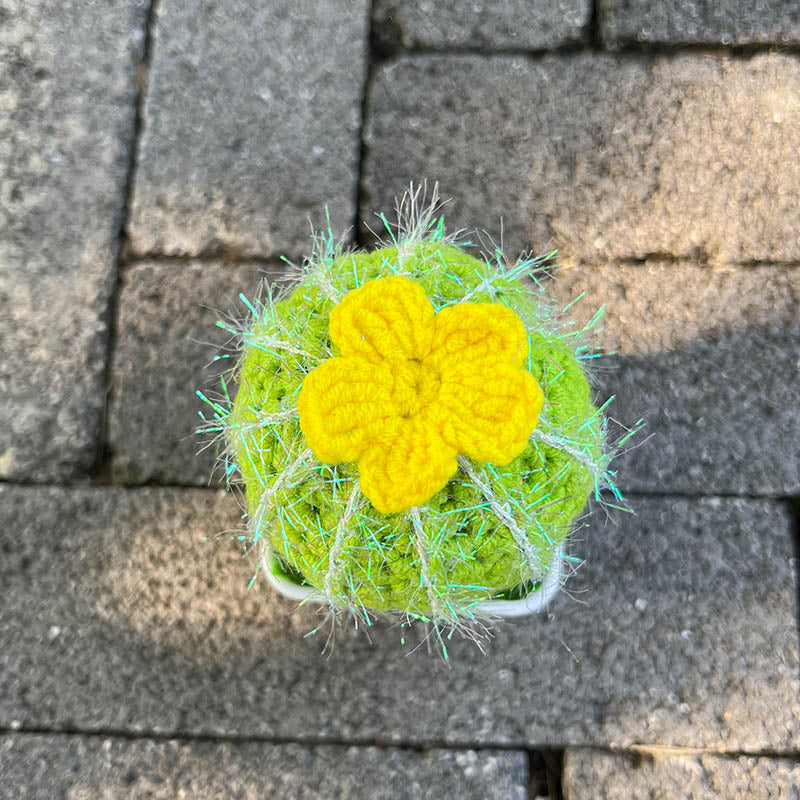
407 467
344 404
476 331
384 318
487 410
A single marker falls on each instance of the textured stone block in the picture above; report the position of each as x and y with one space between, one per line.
90 767
165 348
521 24
251 125
593 775
601 157
679 629
704 22
711 358
66 123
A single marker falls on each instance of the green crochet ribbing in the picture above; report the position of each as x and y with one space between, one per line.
295 503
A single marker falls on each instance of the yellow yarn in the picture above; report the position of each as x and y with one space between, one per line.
413 388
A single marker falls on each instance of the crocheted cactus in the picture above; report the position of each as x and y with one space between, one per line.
413 426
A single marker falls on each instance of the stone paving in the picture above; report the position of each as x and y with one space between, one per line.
157 157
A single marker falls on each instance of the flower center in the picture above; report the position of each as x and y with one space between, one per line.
416 385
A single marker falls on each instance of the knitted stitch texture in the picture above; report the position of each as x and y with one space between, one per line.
413 388
319 397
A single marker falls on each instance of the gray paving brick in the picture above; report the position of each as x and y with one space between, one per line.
603 157
67 97
521 24
593 775
679 629
96 766
668 323
251 125
707 22
166 343
711 357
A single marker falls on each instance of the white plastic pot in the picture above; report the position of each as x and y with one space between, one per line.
531 604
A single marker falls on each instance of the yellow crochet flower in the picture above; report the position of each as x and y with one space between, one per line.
414 388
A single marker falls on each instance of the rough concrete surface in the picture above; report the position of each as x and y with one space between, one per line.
87 768
677 22
602 157
594 775
66 126
166 343
251 126
517 25
155 154
711 359
116 615
697 351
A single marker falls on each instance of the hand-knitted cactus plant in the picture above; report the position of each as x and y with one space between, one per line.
413 427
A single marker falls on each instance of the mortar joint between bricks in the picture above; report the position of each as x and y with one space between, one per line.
100 471
372 59
793 504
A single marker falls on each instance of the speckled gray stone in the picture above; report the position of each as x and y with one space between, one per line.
679 629
66 124
166 343
521 24
596 155
251 126
593 775
701 22
96 766
711 358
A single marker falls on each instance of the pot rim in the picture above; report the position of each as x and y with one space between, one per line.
532 603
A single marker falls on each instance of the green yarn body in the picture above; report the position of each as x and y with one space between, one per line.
296 504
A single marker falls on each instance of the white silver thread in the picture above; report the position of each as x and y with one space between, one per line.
269 491
334 568
414 214
265 420
576 453
503 513
278 416
422 550
278 344
485 285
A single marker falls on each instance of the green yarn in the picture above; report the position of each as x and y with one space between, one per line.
296 504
